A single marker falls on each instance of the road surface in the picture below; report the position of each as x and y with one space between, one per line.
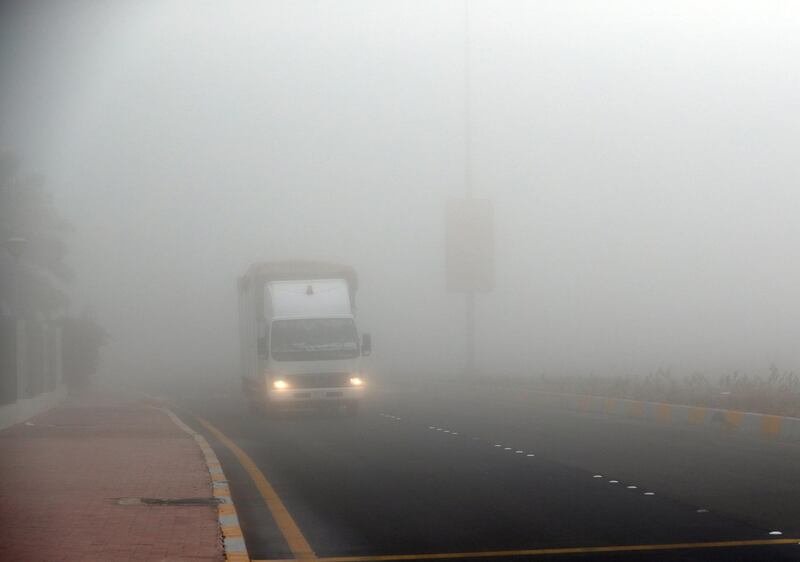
433 471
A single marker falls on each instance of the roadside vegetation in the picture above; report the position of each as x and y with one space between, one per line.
33 251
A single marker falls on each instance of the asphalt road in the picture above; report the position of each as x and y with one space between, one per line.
430 469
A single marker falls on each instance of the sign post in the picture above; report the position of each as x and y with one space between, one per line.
469 258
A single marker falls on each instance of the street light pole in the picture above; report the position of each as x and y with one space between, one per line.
469 366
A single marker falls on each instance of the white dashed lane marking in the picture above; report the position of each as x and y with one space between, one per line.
522 452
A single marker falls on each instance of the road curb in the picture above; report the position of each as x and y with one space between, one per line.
782 428
232 538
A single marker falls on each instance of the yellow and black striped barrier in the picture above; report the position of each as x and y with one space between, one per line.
783 428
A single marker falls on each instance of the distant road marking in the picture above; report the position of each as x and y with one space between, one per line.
549 551
289 529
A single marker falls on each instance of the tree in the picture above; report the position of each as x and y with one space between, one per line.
27 211
81 341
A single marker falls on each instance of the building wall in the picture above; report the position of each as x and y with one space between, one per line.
30 367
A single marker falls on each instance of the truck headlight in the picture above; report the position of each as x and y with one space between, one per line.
280 384
356 381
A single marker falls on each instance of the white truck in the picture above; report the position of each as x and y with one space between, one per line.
300 346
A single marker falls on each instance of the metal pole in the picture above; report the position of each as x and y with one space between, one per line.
467 107
470 359
469 366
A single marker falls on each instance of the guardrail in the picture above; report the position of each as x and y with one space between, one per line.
784 428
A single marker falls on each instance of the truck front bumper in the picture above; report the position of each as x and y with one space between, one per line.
302 395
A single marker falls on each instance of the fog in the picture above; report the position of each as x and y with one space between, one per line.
641 159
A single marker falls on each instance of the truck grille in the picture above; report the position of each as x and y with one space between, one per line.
319 380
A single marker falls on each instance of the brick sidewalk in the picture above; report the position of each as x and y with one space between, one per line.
62 472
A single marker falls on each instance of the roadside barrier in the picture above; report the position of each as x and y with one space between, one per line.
783 428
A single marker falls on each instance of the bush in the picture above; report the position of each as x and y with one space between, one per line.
82 339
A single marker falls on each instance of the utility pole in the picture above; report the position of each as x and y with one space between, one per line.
469 297
469 231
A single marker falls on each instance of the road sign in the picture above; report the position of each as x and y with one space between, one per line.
469 246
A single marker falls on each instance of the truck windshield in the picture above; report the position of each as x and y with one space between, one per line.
314 339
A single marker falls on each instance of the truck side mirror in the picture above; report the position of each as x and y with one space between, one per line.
366 344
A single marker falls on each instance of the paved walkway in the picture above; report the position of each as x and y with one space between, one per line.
62 473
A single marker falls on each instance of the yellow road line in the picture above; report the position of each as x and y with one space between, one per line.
289 529
550 551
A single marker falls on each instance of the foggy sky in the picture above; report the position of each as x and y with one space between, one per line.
642 159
